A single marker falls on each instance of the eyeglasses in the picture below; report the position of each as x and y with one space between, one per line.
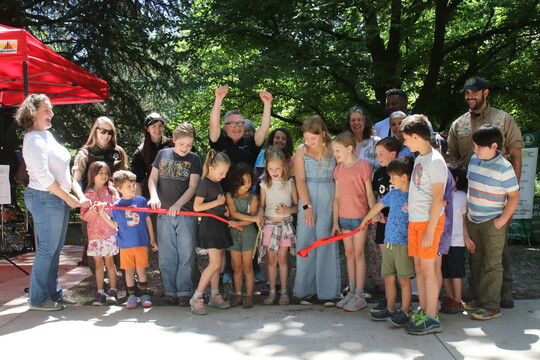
235 124
105 131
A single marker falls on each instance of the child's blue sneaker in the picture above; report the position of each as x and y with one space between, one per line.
145 301
131 302
382 314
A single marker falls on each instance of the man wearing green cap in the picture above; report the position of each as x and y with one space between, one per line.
460 149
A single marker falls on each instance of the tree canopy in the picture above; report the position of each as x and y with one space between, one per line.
314 56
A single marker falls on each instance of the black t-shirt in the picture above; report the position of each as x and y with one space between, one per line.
174 175
244 151
381 185
209 191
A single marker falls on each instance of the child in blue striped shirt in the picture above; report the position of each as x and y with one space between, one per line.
492 198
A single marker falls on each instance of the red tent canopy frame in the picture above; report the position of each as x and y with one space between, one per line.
28 66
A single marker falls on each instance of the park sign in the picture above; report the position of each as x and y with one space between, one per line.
520 228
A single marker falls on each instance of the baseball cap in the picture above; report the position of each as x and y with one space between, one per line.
476 84
152 118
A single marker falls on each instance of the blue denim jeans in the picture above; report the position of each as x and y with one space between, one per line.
51 216
176 240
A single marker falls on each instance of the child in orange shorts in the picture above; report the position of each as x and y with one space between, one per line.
426 220
135 231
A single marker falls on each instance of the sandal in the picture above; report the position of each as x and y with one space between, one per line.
236 301
270 298
284 299
248 302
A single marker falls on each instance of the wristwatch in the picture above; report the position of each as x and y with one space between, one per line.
305 207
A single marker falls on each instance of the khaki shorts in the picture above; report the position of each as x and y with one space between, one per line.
397 262
132 258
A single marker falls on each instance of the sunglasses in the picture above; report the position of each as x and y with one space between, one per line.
105 131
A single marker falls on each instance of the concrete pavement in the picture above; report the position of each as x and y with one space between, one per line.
283 332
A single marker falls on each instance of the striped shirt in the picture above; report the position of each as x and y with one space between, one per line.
489 183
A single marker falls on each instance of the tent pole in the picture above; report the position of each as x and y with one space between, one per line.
107 109
25 72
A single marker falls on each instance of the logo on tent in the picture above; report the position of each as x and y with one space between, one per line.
8 46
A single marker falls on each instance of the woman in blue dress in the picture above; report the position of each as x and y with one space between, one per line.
319 273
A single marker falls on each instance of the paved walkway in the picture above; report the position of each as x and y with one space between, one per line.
291 332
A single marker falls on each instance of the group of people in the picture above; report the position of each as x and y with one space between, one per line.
396 176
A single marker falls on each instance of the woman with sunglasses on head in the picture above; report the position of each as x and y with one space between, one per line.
100 146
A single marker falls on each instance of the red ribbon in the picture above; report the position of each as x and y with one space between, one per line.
328 240
165 211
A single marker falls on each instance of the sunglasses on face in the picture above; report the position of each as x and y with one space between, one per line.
105 131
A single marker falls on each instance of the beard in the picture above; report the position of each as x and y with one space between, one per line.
478 104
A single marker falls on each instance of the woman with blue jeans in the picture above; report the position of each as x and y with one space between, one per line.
48 199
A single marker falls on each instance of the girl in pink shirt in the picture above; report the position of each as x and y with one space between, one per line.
102 243
353 199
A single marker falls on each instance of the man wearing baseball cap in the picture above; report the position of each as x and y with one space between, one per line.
460 149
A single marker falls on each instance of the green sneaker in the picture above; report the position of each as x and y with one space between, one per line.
418 316
472 306
429 325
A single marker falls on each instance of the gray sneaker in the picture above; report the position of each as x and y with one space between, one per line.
341 303
357 303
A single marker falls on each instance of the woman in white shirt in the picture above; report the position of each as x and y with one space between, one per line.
48 199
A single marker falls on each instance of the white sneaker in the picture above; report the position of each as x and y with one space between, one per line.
357 303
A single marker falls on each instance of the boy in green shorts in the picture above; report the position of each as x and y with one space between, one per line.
395 259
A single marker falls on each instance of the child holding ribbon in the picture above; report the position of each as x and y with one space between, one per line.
214 235
243 208
353 197
102 243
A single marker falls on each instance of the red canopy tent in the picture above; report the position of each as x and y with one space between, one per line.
28 66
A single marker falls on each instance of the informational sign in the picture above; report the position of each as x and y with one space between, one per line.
5 189
529 159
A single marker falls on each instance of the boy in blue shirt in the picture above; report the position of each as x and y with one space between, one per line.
396 261
134 231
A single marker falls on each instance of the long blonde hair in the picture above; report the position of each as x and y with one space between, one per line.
314 124
275 153
213 158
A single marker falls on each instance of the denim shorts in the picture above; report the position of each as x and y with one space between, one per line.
349 224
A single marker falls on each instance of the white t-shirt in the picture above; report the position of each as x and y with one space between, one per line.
279 193
459 206
46 161
428 169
